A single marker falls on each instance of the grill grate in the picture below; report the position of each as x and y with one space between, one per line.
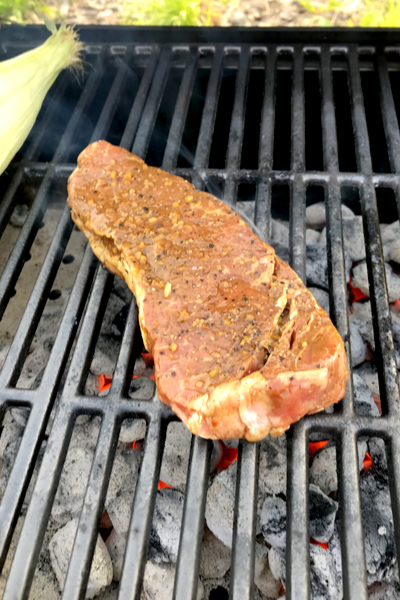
129 114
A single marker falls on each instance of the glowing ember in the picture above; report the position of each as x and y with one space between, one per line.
377 400
148 359
323 545
228 456
367 463
162 485
313 447
395 305
104 382
355 293
370 355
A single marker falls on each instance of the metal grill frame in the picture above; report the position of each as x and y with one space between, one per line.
345 425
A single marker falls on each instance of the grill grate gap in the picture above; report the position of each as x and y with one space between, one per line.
344 125
283 113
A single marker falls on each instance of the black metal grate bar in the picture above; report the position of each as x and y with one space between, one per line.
192 528
263 197
178 120
157 60
237 127
244 524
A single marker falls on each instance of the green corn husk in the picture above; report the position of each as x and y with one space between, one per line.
24 83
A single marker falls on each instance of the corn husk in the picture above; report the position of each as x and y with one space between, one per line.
24 83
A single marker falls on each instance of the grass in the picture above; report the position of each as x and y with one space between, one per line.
17 11
169 12
374 13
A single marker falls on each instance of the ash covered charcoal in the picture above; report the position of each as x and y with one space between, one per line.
166 526
247 208
358 346
72 485
280 232
263 577
312 236
317 266
272 469
280 250
390 236
363 399
215 557
323 471
378 528
322 514
322 297
19 215
322 518
377 451
353 237
273 522
217 588
220 505
360 280
60 547
124 474
132 430
381 590
142 388
119 511
316 215
369 373
175 459
115 544
325 582
158 582
366 331
119 321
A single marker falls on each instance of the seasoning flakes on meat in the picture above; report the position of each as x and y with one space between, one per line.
241 348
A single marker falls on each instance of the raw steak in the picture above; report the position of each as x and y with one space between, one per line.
241 348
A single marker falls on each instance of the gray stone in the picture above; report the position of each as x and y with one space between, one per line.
316 216
322 514
358 346
215 556
273 522
323 471
263 577
115 544
158 582
363 399
166 526
175 459
60 547
220 505
353 237
317 266
322 297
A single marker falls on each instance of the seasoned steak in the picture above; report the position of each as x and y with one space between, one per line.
241 348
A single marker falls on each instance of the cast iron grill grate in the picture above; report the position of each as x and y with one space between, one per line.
145 81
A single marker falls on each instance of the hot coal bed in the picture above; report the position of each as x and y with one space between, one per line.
103 492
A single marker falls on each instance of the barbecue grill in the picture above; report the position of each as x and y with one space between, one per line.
280 116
